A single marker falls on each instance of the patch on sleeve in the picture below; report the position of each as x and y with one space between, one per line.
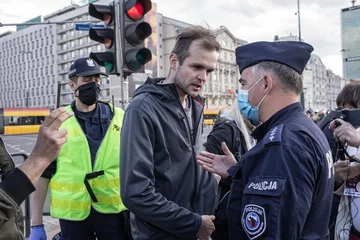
254 220
269 186
274 135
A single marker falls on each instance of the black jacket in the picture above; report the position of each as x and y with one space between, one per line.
161 184
15 186
282 188
227 131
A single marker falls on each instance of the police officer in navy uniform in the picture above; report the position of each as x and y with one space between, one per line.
282 188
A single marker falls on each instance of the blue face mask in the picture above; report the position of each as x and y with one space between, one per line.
250 112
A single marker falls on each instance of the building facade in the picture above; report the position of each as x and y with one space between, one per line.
36 58
321 86
28 72
350 36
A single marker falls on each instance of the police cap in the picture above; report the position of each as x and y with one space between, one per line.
290 53
84 67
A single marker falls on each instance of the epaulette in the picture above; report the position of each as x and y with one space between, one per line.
274 135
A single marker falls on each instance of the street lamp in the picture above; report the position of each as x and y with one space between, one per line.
27 72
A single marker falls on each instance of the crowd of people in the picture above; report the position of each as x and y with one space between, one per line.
266 171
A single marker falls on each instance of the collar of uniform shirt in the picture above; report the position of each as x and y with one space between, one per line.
263 128
92 114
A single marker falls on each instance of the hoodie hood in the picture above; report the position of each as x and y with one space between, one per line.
164 91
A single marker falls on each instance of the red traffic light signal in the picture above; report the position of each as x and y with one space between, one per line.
136 9
134 32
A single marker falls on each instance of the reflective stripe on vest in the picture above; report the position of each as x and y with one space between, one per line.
69 198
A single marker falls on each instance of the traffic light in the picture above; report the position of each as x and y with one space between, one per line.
105 35
134 31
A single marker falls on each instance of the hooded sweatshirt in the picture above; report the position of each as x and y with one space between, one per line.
161 184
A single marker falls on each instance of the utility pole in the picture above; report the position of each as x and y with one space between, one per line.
119 9
302 95
299 24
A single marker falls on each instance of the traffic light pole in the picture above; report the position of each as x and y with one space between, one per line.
119 8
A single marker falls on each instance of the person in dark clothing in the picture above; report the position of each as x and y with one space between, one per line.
16 184
169 196
348 98
231 129
282 187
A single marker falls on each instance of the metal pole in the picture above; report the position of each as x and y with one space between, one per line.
302 95
58 94
119 17
298 3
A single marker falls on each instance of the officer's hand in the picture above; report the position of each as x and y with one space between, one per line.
343 171
218 164
37 233
50 138
346 133
206 228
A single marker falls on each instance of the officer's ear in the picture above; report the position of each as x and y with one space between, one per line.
268 83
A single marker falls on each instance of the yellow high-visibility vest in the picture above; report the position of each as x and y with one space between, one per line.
69 197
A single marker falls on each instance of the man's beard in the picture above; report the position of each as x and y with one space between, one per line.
178 81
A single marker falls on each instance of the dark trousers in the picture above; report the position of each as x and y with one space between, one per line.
96 226
221 232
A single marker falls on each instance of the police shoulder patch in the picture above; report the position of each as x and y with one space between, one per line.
274 135
253 220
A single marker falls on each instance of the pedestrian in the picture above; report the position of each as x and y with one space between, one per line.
348 98
84 180
345 220
168 195
231 128
282 188
16 184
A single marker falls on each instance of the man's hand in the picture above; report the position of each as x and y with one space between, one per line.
206 228
48 144
343 171
50 138
218 164
346 133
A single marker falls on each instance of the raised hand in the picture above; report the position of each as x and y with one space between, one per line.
218 164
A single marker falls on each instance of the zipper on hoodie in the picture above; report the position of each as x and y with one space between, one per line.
192 147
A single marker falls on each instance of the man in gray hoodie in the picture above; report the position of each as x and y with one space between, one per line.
168 195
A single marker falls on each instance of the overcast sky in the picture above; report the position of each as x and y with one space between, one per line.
251 21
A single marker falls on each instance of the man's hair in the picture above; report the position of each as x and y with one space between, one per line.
289 79
350 94
74 79
205 37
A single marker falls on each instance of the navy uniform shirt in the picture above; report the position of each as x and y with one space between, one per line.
283 187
